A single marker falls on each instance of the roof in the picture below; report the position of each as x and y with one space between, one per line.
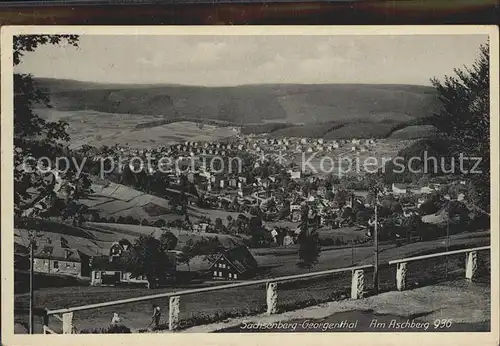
103 263
240 257
58 253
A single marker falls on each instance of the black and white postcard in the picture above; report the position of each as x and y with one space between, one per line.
309 185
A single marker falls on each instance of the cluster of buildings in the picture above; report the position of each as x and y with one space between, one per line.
279 194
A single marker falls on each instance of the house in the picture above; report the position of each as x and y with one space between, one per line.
265 183
295 174
423 190
420 201
57 260
461 197
399 188
296 215
234 264
191 177
233 182
111 273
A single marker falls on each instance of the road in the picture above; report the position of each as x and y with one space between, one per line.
283 261
455 306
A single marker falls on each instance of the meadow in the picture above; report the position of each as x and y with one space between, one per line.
100 128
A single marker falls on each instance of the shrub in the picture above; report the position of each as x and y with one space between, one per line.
114 329
160 223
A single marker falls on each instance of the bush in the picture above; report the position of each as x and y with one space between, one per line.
160 223
115 329
130 220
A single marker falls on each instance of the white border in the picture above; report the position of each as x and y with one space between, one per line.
455 339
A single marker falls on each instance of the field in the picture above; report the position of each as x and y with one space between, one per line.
116 200
100 128
204 308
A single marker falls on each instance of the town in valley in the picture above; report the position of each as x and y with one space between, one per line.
127 190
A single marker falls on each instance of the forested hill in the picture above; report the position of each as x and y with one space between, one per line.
290 103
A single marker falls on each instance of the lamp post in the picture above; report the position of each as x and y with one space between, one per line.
447 244
32 237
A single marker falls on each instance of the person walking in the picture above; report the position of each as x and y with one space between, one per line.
115 320
156 315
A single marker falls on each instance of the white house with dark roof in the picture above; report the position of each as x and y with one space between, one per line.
234 264
399 188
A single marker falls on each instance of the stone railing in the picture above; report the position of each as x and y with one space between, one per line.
66 315
470 264
357 289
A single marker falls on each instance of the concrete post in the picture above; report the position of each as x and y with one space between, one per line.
67 320
358 284
470 265
401 271
45 321
272 297
173 313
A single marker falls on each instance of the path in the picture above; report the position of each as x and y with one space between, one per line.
466 304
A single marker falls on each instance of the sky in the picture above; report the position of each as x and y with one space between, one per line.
237 60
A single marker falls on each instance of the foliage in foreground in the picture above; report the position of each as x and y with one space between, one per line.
116 329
